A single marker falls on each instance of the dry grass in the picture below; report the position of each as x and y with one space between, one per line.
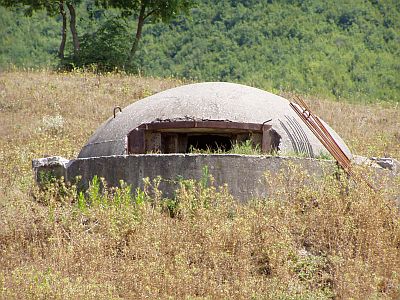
307 241
369 130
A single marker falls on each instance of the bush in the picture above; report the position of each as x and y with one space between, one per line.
106 49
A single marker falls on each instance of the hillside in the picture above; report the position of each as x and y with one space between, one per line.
337 49
314 243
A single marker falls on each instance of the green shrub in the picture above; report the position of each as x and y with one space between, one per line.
106 49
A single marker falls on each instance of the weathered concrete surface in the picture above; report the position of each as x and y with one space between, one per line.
243 174
209 101
53 166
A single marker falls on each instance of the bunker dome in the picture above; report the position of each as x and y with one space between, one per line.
206 116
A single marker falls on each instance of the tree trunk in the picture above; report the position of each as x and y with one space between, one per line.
72 25
140 24
63 30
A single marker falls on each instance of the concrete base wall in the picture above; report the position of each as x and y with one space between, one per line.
243 174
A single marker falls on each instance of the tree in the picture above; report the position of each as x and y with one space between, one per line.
53 8
63 30
106 48
72 12
142 10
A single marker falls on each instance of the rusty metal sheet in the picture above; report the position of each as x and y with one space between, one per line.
204 124
266 139
136 141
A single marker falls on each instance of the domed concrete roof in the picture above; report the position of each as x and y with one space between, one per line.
209 101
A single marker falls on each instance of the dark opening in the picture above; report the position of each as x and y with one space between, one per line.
204 135
209 142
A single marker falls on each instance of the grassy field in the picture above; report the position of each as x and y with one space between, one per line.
315 243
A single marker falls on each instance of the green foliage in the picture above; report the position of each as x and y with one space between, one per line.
52 8
155 10
29 6
27 42
190 196
163 10
333 49
246 147
194 196
100 196
324 155
105 49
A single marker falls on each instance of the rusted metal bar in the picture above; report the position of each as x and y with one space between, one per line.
323 139
343 160
323 128
324 136
269 120
319 126
114 111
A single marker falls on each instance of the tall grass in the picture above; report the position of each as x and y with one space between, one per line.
246 147
312 238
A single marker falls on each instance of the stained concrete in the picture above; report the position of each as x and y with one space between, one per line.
52 166
209 101
244 175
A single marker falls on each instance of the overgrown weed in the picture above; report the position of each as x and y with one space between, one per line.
311 238
245 147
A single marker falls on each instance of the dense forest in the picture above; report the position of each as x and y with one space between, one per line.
340 49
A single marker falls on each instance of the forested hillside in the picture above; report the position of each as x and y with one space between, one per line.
337 49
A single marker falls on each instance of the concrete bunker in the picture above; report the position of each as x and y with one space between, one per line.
206 115
154 137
